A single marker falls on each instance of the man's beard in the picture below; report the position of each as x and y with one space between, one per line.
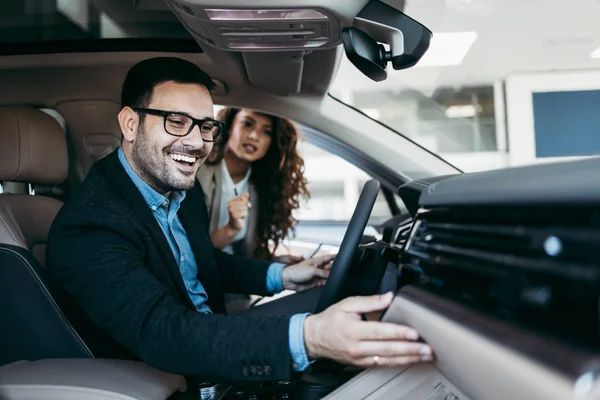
156 169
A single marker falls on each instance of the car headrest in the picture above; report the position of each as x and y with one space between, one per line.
33 147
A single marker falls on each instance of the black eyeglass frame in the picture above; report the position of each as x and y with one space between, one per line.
163 113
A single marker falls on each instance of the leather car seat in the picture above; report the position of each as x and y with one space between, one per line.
33 150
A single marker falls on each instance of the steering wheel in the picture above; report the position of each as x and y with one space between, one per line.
334 288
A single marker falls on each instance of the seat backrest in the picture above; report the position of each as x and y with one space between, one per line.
94 131
33 150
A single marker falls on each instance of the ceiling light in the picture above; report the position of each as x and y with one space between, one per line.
447 49
264 15
464 111
595 53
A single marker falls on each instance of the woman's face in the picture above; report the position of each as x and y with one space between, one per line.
249 136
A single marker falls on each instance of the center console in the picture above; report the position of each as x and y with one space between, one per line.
322 380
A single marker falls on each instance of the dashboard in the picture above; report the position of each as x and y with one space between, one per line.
514 250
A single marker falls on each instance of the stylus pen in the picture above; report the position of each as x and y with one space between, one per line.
236 193
312 253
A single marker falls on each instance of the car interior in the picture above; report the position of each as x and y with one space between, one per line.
497 269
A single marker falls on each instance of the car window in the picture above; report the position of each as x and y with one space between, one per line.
335 185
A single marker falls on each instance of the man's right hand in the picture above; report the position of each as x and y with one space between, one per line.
238 211
340 334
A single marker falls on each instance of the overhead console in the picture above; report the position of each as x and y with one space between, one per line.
276 41
252 29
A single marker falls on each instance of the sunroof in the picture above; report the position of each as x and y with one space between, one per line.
31 24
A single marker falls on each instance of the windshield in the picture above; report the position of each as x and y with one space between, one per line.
503 83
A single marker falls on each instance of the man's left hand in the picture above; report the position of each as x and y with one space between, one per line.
289 259
307 274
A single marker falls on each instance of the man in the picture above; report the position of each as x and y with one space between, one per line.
133 249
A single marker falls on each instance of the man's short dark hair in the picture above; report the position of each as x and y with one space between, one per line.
144 76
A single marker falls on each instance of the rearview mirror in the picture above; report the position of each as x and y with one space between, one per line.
379 23
365 53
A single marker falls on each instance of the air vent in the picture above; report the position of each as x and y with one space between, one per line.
538 267
497 242
401 235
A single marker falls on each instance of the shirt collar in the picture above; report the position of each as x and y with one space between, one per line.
151 196
228 181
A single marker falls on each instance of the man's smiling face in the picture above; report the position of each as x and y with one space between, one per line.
170 163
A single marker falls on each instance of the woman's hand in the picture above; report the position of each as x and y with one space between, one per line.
238 212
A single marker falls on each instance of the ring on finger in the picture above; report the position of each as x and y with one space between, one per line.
376 360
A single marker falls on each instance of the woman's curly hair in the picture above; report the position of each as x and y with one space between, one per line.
278 178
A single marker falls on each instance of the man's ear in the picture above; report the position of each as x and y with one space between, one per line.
128 121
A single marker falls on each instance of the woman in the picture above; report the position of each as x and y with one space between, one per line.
253 181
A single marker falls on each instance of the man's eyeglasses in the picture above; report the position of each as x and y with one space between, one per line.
179 124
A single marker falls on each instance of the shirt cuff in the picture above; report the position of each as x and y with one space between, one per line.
274 278
296 342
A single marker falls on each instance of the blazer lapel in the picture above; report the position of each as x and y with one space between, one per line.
210 177
115 174
217 194
194 218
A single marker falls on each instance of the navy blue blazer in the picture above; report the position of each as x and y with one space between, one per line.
108 252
